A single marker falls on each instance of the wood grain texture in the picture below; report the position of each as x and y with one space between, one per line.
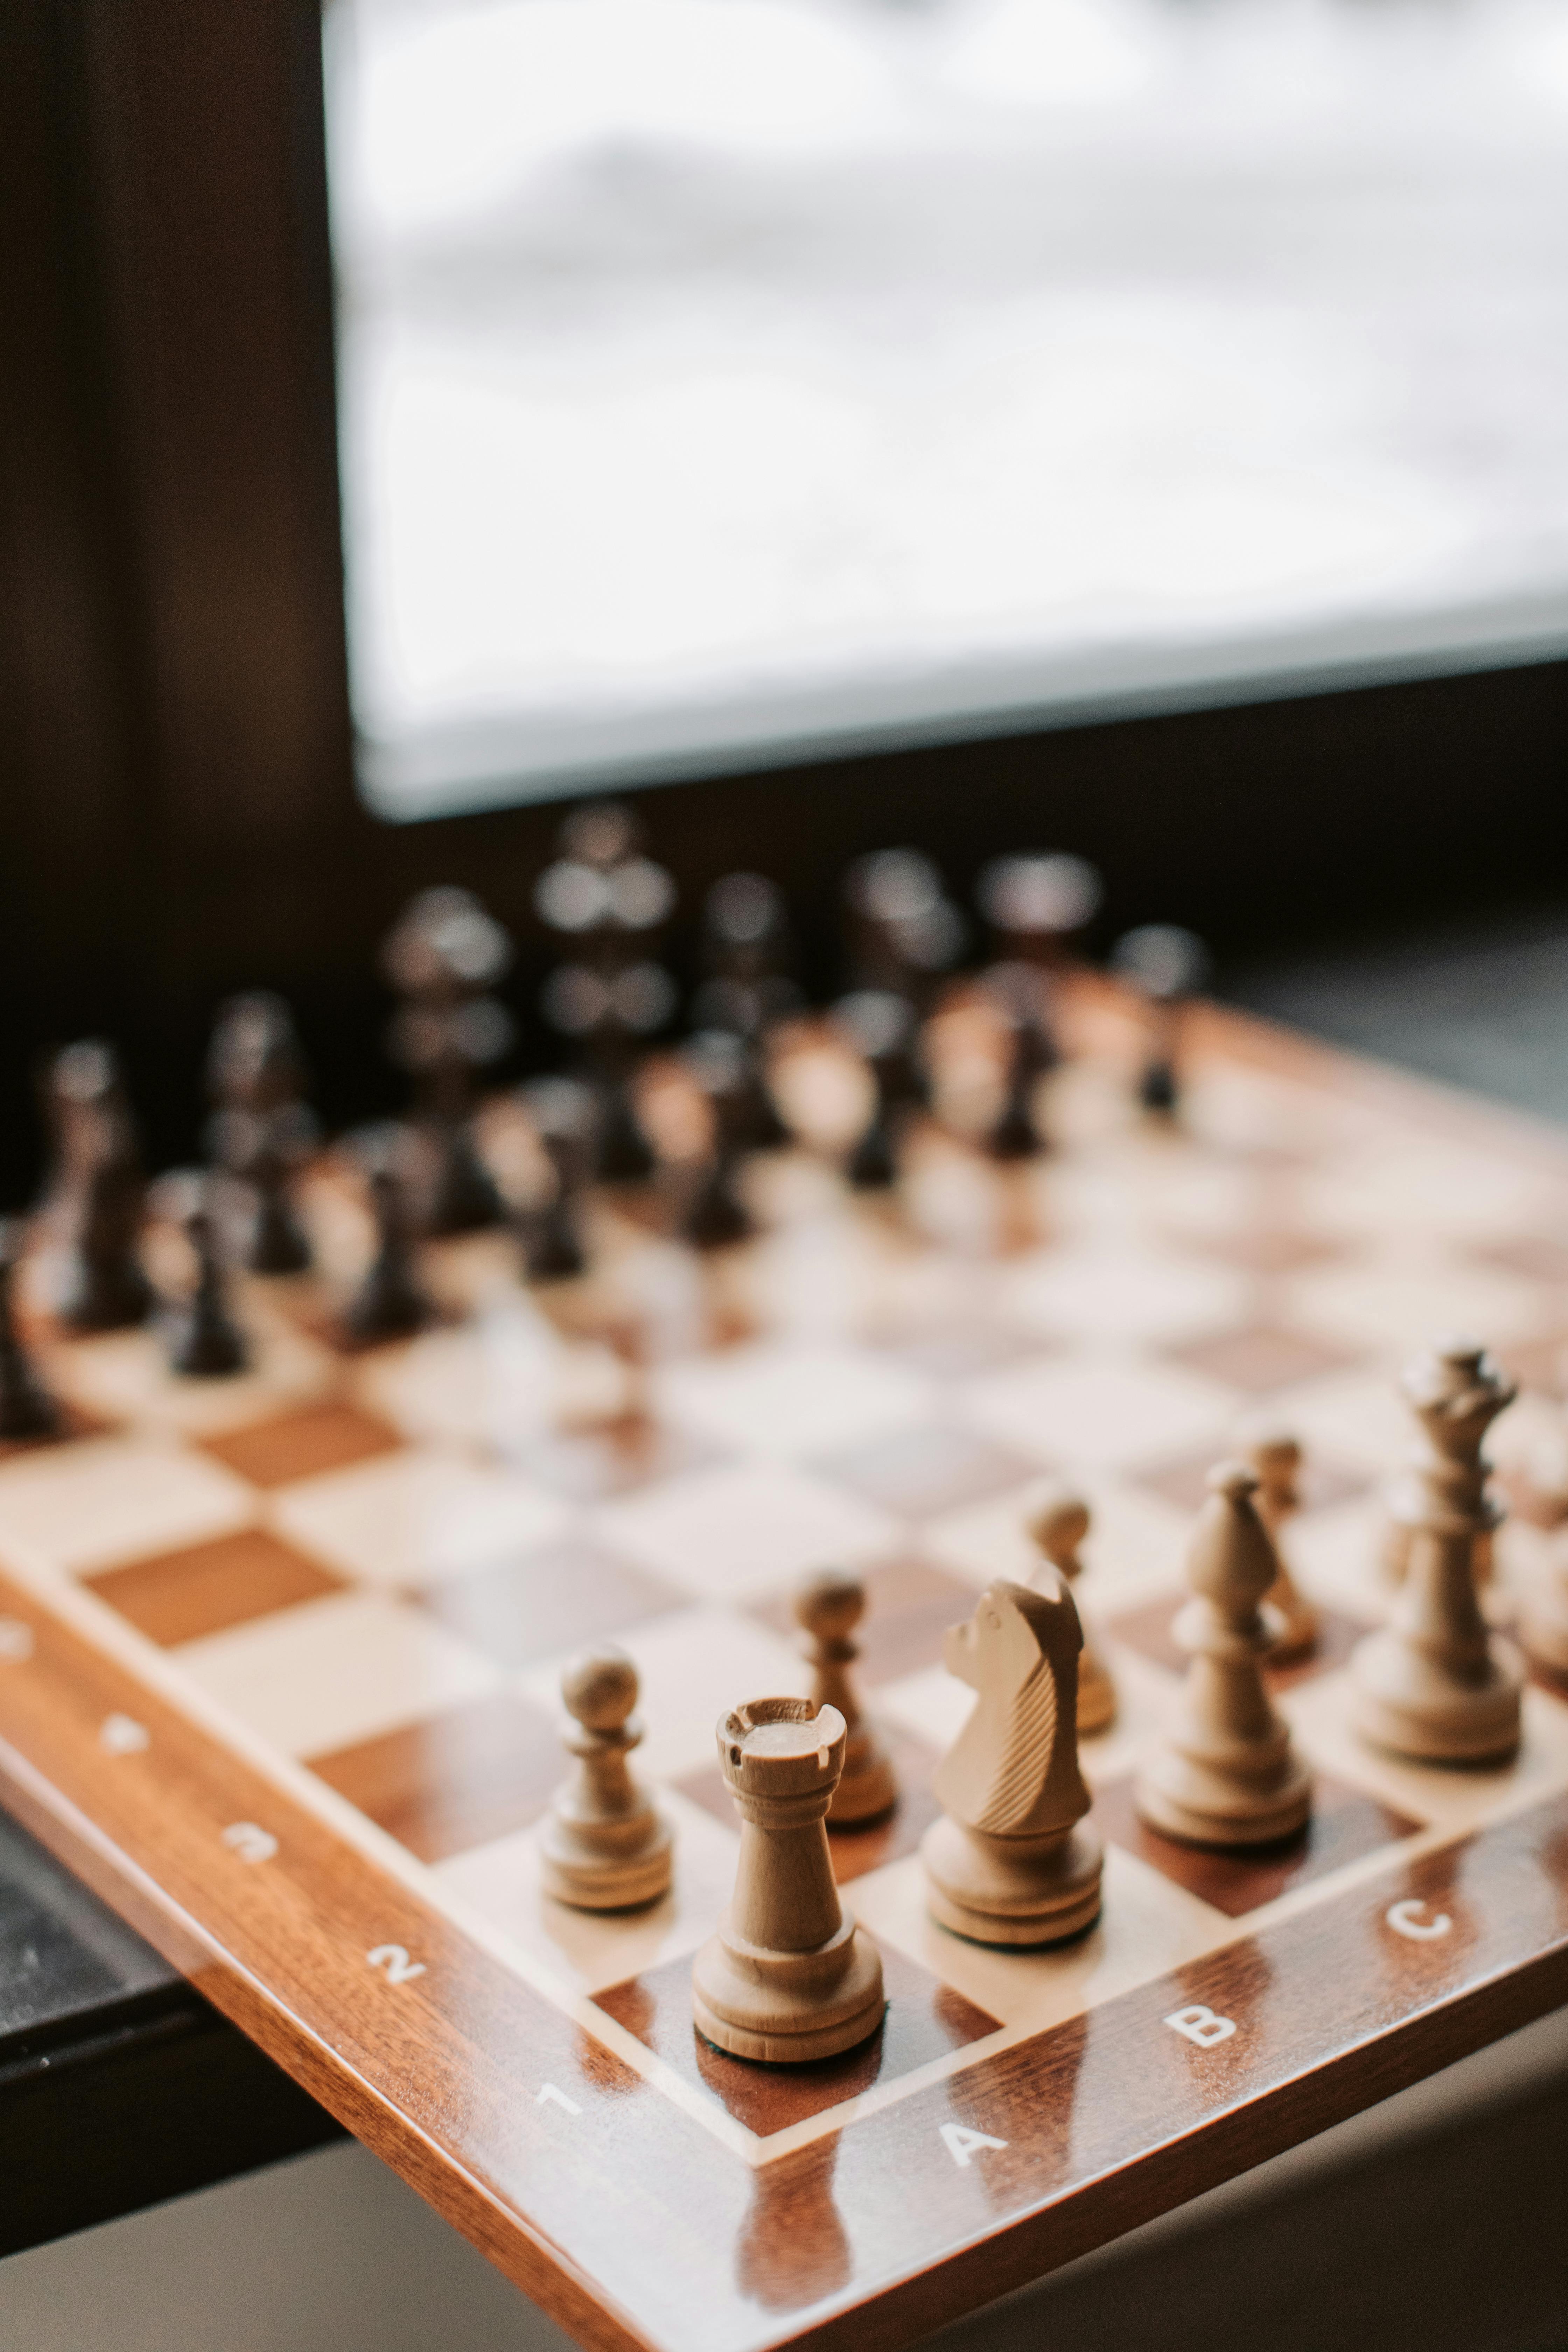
625 2220
642 2190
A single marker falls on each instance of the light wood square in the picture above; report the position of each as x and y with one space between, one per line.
587 1950
1095 1413
744 1528
115 1498
789 1402
1118 1294
124 1375
405 1519
332 1672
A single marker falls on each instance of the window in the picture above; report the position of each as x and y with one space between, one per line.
726 380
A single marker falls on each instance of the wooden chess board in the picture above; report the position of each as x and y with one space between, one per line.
278 1659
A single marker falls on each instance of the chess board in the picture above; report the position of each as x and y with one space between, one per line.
279 1656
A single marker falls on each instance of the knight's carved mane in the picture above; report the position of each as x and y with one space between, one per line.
1008 1773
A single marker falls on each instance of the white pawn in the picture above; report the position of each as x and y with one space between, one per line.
827 1608
1058 1524
1228 1775
605 1846
1435 1683
1007 1862
1275 1456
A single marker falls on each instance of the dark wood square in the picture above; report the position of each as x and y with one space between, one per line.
1537 1256
1185 1482
1262 1357
855 1851
551 1600
919 1472
1541 1364
925 2019
455 1780
302 1444
181 1595
1344 1826
909 1607
1148 1630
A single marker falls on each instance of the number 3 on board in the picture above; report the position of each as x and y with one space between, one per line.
394 1960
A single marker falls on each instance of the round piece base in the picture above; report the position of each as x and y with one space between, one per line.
1095 1706
776 2047
1196 1825
990 1927
1422 1741
610 1883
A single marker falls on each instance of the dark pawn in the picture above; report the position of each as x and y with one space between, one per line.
1167 966
389 1303
625 1154
715 1214
1014 1135
277 1243
262 1129
26 1409
106 1288
205 1342
880 1025
564 1115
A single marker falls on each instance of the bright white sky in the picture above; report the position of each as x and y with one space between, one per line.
715 372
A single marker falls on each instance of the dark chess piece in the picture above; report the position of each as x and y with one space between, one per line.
1167 966
1014 1134
100 1190
608 902
26 1408
262 1130
748 992
716 1215
905 932
881 1026
389 1303
565 1117
205 1343
443 956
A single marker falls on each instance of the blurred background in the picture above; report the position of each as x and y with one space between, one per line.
720 377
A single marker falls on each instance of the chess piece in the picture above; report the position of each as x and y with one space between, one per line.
1007 1862
204 1341
101 1193
1013 1134
904 931
608 902
261 1129
787 1978
828 1606
1543 1611
879 1024
389 1303
1167 966
563 1115
26 1409
1228 1775
1435 1683
443 956
605 1844
745 937
716 1215
1037 904
1059 1525
1276 1456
